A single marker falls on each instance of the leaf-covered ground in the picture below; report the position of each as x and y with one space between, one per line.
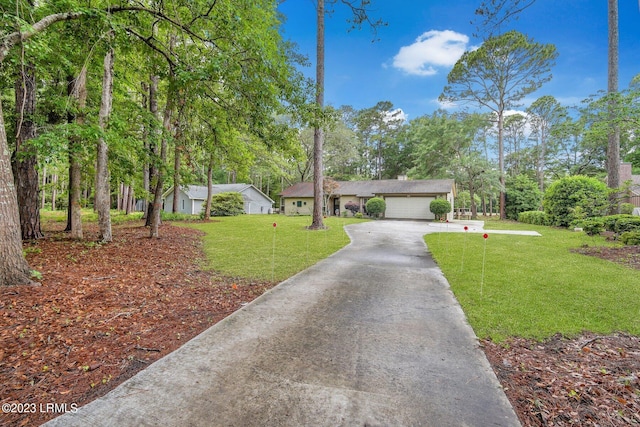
587 381
105 312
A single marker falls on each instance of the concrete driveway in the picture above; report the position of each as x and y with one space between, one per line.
371 336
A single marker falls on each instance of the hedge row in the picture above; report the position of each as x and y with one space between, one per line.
534 217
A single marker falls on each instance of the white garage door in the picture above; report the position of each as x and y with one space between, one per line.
408 207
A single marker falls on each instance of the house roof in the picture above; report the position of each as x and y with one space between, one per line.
372 188
301 189
199 192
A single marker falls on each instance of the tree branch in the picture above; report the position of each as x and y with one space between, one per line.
12 39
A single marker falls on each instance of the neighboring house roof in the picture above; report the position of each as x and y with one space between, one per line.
199 192
301 189
371 188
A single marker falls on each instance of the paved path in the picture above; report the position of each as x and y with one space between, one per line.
371 336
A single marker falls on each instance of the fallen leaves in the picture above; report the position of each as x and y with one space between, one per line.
105 312
588 381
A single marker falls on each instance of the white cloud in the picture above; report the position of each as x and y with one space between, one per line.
445 105
396 115
431 50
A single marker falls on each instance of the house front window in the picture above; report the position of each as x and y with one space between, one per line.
299 203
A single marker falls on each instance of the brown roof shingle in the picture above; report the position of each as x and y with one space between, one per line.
371 188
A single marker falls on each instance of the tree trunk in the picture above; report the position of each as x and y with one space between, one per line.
157 199
207 205
503 214
145 138
153 147
43 194
54 192
103 199
318 134
74 221
14 269
613 146
176 177
543 155
132 201
24 166
472 194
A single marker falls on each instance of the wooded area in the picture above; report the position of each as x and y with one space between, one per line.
109 105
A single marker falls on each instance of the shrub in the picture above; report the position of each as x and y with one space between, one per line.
621 223
626 208
611 220
440 207
534 217
170 216
593 226
358 215
353 207
566 194
227 204
627 224
376 207
522 195
630 238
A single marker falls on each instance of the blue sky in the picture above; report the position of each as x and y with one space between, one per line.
409 62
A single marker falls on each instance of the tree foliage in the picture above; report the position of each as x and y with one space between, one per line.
227 204
575 197
211 65
522 195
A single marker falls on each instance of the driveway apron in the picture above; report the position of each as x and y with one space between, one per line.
371 336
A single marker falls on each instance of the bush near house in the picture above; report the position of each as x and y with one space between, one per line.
568 196
620 223
353 207
534 217
627 224
376 207
227 204
593 226
440 207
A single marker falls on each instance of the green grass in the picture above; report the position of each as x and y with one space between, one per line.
88 215
249 246
535 287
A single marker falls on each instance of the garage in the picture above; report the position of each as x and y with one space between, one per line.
408 207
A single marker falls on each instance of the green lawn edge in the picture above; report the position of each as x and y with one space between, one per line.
536 287
250 246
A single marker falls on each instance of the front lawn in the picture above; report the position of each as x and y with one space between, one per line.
535 287
250 246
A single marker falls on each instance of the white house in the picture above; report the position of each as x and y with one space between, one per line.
191 198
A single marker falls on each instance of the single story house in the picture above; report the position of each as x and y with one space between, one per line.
191 198
405 199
